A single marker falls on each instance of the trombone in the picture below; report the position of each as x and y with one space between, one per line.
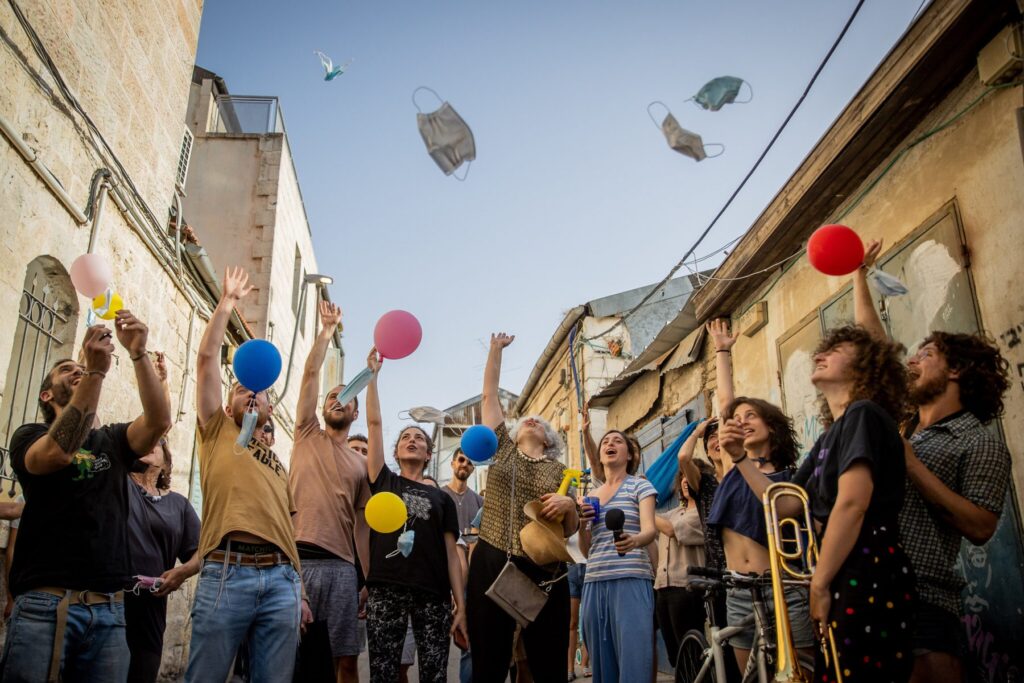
792 559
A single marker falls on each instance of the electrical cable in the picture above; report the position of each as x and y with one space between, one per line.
739 188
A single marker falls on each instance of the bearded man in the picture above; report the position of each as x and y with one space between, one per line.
330 490
958 470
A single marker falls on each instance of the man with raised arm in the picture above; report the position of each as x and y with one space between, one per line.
72 562
328 482
958 471
249 586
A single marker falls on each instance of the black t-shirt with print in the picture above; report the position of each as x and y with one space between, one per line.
432 513
864 433
74 531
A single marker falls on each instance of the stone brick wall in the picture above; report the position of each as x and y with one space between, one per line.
129 65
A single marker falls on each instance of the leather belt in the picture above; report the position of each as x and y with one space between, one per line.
247 560
70 597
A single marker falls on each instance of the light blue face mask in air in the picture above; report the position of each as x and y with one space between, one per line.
448 139
887 285
249 420
681 140
721 91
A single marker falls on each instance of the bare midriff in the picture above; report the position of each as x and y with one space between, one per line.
243 537
744 554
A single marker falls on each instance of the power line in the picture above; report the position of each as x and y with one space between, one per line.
739 188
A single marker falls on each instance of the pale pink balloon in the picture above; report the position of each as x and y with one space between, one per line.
91 275
397 334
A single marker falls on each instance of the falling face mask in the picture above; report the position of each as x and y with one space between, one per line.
448 139
427 414
683 141
249 420
719 92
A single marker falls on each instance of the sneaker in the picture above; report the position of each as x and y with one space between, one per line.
587 672
572 676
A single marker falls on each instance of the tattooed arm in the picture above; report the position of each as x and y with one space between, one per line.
57 447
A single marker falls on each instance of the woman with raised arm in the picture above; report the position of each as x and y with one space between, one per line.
618 598
414 571
737 515
863 585
524 468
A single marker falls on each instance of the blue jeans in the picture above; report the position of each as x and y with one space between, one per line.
618 627
95 648
260 605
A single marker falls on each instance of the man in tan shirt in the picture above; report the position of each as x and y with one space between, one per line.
249 587
329 486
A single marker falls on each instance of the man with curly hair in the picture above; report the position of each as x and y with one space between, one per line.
958 471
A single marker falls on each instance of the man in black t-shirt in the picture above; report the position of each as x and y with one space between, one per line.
71 564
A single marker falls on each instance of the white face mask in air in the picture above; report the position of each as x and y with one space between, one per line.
681 140
448 139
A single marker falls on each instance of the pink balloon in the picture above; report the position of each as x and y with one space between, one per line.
397 334
91 275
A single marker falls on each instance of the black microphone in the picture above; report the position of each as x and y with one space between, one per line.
614 520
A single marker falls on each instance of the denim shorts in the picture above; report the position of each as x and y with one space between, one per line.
577 573
739 604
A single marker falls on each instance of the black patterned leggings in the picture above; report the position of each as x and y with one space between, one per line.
388 610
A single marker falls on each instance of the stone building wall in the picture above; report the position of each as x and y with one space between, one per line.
129 65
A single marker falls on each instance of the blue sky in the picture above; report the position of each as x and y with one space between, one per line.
574 194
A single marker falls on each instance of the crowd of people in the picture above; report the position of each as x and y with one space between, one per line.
904 470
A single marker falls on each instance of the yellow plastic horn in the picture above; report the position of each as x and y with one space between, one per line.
568 476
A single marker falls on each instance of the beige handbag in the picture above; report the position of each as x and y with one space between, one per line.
514 591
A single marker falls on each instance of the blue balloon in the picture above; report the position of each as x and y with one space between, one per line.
479 443
257 364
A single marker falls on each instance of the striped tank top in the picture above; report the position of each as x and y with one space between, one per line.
604 563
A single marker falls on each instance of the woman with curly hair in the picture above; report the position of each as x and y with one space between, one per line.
525 468
863 585
767 443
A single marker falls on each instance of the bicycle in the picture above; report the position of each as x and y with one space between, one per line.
701 656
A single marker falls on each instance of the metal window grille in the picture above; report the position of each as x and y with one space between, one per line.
43 318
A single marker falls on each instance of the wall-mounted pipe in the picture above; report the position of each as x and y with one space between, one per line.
179 221
97 214
51 182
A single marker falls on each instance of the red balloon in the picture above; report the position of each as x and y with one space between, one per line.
835 250
397 334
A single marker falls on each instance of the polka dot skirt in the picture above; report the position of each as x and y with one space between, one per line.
871 611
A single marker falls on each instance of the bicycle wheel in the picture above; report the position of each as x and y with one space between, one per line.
691 658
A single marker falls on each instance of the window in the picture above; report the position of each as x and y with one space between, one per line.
183 158
296 281
47 317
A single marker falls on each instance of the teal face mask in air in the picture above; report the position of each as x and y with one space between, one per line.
721 91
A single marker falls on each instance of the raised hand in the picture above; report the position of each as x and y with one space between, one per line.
374 361
97 348
719 331
871 251
585 410
330 316
236 284
131 332
501 340
703 427
730 439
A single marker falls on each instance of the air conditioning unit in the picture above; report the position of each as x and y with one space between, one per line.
1003 58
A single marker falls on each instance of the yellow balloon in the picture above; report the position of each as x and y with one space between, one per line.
116 304
386 512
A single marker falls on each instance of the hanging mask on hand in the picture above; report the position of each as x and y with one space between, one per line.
249 420
448 139
681 140
887 285
405 543
721 91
